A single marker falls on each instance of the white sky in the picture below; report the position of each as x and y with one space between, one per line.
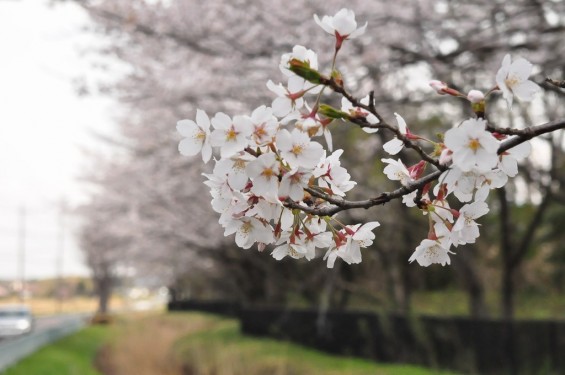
43 126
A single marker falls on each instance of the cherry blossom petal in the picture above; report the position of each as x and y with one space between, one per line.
393 146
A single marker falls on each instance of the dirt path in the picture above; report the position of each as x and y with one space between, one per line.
143 345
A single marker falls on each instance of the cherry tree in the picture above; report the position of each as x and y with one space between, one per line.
184 58
289 190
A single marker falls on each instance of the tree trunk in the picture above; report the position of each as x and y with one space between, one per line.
104 289
506 249
466 267
513 252
507 289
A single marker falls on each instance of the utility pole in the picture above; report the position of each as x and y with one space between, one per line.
60 288
22 251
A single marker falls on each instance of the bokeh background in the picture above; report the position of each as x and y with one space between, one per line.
93 185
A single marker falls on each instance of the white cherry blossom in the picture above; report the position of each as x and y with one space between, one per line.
249 230
293 183
289 98
408 199
294 250
394 146
397 171
314 126
356 237
472 146
297 149
471 185
465 226
265 125
235 169
232 136
431 251
236 208
342 24
508 160
332 175
264 173
512 79
197 136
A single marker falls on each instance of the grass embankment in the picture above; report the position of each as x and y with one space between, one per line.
73 355
223 350
189 344
455 302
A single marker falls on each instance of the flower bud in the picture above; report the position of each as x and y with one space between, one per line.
477 100
417 170
303 69
438 86
475 96
331 112
445 156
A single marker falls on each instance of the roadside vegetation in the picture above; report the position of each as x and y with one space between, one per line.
222 349
73 355
189 344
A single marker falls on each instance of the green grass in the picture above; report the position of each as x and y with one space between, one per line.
72 355
455 302
211 345
221 349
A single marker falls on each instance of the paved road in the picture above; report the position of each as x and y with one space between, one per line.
47 329
42 324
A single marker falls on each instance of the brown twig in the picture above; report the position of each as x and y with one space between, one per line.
339 204
330 82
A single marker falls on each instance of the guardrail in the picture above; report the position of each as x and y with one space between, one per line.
18 348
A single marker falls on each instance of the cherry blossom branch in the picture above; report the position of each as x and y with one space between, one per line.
407 142
523 135
560 84
341 204
335 86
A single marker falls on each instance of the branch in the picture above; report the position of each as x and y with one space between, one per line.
148 30
560 84
330 82
339 204
523 135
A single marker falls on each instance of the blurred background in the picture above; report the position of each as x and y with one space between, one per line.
96 201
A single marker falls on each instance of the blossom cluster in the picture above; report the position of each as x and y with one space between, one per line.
271 172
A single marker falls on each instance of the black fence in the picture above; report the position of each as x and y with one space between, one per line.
460 344
226 308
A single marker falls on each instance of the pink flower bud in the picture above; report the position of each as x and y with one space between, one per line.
417 170
438 86
475 96
445 156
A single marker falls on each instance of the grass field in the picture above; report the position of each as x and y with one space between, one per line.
189 344
222 350
72 355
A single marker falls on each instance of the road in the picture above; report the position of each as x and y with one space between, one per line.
47 329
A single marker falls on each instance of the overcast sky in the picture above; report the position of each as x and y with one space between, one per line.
43 126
